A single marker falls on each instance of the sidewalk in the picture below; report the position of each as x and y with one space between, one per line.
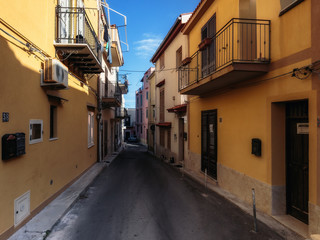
41 225
270 221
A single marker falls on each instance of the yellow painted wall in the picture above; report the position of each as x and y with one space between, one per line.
291 32
60 160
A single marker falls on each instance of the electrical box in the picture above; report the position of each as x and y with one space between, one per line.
256 147
13 145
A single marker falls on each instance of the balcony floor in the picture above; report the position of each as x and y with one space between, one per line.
110 102
226 77
81 57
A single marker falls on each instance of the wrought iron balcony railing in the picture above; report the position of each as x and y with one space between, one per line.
112 96
121 113
239 41
74 27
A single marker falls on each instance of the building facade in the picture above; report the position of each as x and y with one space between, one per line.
152 112
129 124
254 100
51 60
142 110
171 107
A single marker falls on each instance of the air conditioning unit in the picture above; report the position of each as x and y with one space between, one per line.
55 74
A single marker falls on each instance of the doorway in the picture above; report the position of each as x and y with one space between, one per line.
297 159
209 142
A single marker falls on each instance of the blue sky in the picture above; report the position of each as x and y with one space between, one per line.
148 22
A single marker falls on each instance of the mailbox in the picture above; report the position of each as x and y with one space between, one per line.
256 147
13 145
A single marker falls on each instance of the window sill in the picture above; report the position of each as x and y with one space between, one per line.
53 139
292 5
91 145
35 141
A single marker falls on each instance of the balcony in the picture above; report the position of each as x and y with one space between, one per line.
116 51
124 86
121 113
112 96
76 41
238 52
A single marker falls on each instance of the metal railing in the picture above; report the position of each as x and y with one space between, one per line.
112 90
74 26
240 40
121 112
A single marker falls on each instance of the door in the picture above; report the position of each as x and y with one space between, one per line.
209 142
181 140
105 138
64 22
297 159
208 57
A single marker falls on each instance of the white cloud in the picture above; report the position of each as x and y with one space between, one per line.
148 45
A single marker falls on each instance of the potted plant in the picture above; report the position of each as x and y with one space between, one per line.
204 43
186 61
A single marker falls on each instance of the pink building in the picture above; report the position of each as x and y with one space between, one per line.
142 95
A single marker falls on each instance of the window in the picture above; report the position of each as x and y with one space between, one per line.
161 105
137 115
162 61
146 112
141 120
35 131
90 128
208 53
147 95
286 5
179 57
141 100
53 122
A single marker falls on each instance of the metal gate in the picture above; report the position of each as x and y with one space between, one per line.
209 142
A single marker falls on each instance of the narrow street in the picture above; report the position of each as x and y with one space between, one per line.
140 197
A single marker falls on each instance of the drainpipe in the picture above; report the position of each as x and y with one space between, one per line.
99 117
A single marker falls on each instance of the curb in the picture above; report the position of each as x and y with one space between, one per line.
41 225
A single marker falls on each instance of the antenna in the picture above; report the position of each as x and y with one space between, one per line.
104 4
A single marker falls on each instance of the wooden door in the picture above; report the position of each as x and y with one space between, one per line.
297 159
209 142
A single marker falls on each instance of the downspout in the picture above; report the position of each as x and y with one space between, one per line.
99 117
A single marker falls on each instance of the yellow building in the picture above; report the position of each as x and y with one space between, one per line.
50 64
253 87
170 105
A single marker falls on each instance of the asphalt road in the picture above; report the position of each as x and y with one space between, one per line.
141 198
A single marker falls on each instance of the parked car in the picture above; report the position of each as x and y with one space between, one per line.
133 139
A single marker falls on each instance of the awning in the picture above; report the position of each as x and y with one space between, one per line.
178 109
164 124
55 96
161 83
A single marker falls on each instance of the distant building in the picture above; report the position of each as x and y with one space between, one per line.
129 124
142 110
